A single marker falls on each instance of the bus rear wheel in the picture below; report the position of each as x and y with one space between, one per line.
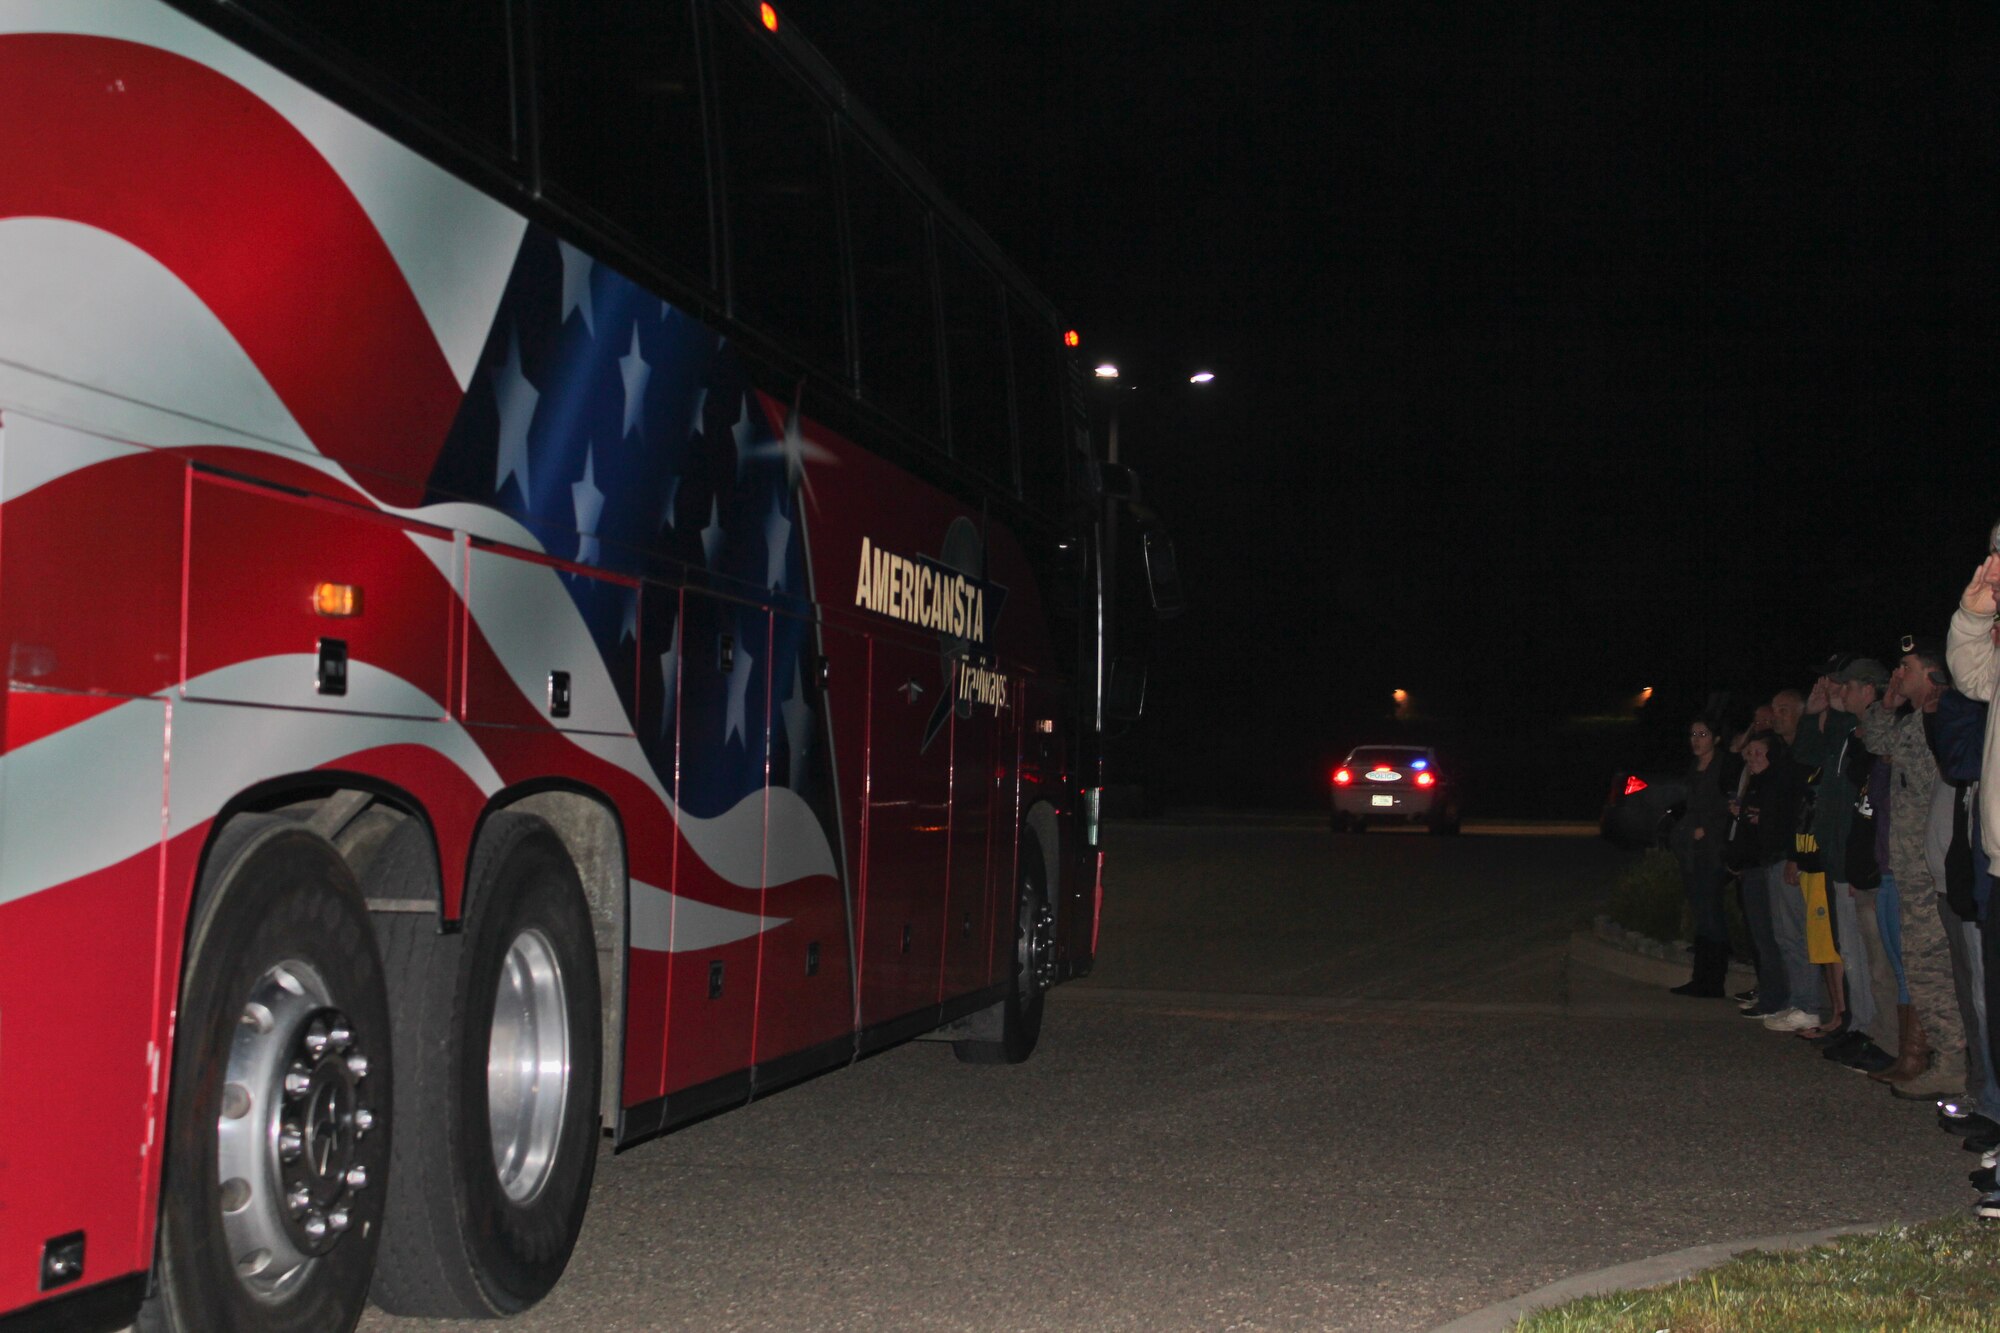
278 1143
1032 973
501 1027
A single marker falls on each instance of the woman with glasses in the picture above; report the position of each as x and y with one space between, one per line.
1698 844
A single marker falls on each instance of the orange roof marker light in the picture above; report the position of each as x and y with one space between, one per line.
769 15
1071 338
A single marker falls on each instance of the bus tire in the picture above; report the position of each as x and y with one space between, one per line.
278 1138
474 1229
1034 968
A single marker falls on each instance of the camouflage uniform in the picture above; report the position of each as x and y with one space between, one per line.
1926 955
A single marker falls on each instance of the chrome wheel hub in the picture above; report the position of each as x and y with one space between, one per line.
527 1066
1036 945
295 1108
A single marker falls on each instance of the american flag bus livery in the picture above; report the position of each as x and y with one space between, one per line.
549 586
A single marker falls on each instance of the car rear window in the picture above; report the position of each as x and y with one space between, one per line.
1382 754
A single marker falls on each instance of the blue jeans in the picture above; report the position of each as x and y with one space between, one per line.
1788 925
1774 990
1889 920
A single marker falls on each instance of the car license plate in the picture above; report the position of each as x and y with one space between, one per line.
1385 800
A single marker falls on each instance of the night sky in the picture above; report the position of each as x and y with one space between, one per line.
1564 349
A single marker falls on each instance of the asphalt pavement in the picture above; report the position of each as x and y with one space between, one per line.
1318 1082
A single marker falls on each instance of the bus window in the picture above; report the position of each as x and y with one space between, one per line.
1038 405
621 121
784 237
895 322
452 53
975 353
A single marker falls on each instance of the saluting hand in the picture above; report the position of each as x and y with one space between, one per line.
1979 596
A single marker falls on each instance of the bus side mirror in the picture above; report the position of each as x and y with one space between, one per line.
1125 697
1163 574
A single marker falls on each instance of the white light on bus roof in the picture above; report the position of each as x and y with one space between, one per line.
1201 377
1107 371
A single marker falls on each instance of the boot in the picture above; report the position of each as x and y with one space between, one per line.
1913 1048
1945 1076
1711 967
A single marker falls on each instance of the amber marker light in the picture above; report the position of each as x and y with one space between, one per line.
1071 338
337 599
770 17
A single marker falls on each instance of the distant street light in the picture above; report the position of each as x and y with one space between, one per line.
1107 371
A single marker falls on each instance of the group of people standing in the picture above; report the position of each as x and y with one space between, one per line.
1853 822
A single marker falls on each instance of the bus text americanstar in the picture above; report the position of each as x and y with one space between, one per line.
921 592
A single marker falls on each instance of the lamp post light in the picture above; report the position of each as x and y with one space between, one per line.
1107 373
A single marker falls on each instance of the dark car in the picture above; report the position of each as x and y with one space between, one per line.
1394 784
1643 806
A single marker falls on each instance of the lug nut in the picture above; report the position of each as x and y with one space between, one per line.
314 1226
297 1080
316 1037
291 1142
357 1177
357 1065
300 1199
364 1120
336 1221
341 1037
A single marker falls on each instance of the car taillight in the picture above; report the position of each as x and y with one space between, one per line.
1426 779
1634 785
1341 777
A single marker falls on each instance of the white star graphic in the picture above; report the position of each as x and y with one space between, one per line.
798 724
672 499
700 406
633 368
628 628
744 434
576 286
670 681
795 449
739 692
777 541
589 502
515 400
711 536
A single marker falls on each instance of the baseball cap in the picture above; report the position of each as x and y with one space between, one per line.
1929 649
1832 666
1864 669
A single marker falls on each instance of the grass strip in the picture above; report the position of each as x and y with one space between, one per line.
1942 1275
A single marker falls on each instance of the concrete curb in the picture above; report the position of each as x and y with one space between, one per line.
1656 1271
1590 951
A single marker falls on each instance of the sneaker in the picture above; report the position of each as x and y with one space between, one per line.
1991 1157
1757 1011
1867 1058
1846 1044
1988 1206
1745 996
1983 1180
1791 1020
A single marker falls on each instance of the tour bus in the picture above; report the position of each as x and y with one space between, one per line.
549 586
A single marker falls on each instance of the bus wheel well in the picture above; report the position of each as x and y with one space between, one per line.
1043 822
590 831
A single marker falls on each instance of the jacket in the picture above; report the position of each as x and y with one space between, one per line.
1899 738
1823 748
1975 670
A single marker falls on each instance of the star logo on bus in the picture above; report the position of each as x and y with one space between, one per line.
795 451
